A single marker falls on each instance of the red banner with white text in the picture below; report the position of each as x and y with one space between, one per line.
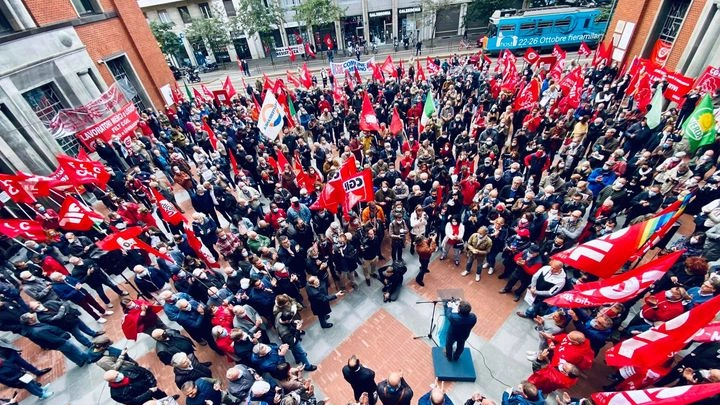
708 81
681 395
121 123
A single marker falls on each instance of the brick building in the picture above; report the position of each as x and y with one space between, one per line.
57 54
692 26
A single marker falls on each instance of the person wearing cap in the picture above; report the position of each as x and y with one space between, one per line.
298 210
133 386
527 263
64 316
51 337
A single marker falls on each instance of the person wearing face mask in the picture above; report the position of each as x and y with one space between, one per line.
600 178
37 288
398 234
48 217
140 317
69 288
150 281
645 203
384 197
133 386
660 307
454 232
66 317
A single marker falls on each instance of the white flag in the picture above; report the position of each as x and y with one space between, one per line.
270 120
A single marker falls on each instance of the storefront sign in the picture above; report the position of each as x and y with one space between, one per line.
121 123
380 13
338 69
409 10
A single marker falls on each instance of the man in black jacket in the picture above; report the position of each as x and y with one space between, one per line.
64 316
13 367
188 368
88 272
320 300
169 342
394 390
461 322
133 386
360 378
51 337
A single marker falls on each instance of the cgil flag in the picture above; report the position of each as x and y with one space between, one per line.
23 228
357 188
584 49
368 119
128 240
428 110
620 288
699 128
678 395
83 171
270 119
168 212
75 216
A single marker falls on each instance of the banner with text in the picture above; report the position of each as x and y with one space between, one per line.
708 81
338 69
121 123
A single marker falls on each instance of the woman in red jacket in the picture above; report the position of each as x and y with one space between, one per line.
658 308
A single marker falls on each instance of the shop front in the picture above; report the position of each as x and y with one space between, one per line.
352 30
381 27
409 21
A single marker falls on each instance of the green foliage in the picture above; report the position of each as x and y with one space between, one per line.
256 17
483 9
168 41
318 12
211 31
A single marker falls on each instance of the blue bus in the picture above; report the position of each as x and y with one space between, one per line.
542 28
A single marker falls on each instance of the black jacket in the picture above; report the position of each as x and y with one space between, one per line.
60 314
176 343
137 390
362 380
319 300
197 371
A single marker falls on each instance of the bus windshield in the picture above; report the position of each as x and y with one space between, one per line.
491 30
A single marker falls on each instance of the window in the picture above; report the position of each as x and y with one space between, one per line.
125 77
507 29
84 7
674 19
205 10
229 8
544 24
562 23
5 26
163 16
44 101
185 15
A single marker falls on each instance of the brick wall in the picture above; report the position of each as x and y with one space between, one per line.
46 12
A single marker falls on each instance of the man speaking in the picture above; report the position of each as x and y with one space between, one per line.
460 323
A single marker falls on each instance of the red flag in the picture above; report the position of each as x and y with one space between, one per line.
338 94
660 52
168 212
571 80
377 75
199 249
388 67
358 188
678 395
84 172
22 228
298 38
14 187
207 92
529 96
281 161
660 343
293 79
268 83
643 93
176 94
709 333
305 76
303 179
572 98
620 288
557 69
605 255
431 67
333 194
349 81
272 162
420 72
127 240
293 58
228 87
602 54
283 99
75 216
487 59
82 155
584 49
233 163
396 125
368 119
357 77
328 41
211 134
309 51
510 76
197 95
531 56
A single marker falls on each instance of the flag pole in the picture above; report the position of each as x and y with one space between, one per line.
23 209
16 240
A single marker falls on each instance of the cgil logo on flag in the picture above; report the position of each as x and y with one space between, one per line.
353 184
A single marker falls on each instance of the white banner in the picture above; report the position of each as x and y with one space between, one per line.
270 120
338 69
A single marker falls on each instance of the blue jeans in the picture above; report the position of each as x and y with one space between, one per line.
73 353
79 332
300 355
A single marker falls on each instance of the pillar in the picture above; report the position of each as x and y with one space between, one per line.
395 19
461 22
366 20
705 48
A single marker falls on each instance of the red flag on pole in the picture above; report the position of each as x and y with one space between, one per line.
678 395
431 67
293 58
328 41
305 76
571 80
293 79
529 96
168 212
268 83
368 119
333 194
557 69
657 345
420 72
602 54
82 155
620 288
233 163
228 87
207 92
349 81
23 228
338 94
75 216
211 134
281 161
660 52
584 49
396 124
198 96
376 73
531 56
388 67
199 248
84 172
357 188
127 240
308 50
358 79
14 187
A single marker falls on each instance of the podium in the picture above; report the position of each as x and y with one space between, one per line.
445 370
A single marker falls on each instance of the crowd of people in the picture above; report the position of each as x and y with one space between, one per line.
503 188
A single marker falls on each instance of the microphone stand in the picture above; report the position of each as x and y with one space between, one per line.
432 319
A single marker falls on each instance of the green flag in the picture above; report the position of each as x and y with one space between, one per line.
699 127
655 114
187 91
428 111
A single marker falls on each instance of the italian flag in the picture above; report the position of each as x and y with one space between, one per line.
428 111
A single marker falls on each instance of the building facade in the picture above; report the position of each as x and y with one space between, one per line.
57 54
691 26
372 20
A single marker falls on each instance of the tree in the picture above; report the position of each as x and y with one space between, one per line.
170 44
318 12
481 10
430 9
212 32
260 17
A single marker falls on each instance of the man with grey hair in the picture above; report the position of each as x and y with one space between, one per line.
188 368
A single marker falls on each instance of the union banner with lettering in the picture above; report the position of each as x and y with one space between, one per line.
708 81
339 69
121 123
